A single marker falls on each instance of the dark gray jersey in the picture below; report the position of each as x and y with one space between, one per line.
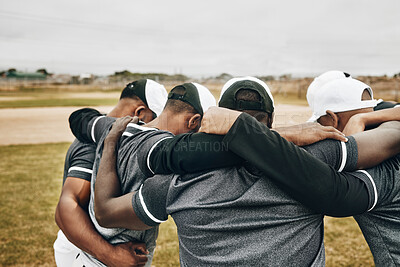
79 161
381 225
237 216
233 217
135 145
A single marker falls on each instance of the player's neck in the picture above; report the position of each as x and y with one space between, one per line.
169 121
124 107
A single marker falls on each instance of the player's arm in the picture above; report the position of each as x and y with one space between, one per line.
359 122
378 145
306 178
111 208
73 219
88 125
296 171
188 153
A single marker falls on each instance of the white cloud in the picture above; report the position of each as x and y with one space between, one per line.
201 37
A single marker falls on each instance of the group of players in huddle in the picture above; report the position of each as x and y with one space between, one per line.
240 192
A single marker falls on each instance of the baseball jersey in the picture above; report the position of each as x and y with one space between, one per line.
79 160
238 216
78 163
381 225
380 219
134 146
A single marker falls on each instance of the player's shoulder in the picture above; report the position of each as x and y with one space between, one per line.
140 133
78 147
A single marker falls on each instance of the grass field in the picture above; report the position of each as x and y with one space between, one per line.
52 98
37 98
30 177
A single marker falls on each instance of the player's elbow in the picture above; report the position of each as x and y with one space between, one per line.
102 217
57 216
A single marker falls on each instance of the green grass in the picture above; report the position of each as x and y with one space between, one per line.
31 176
57 102
52 98
38 97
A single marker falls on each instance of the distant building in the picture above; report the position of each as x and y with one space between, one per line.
25 75
84 78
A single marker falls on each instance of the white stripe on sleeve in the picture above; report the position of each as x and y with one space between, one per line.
374 186
344 157
151 150
94 124
80 169
127 134
134 125
154 219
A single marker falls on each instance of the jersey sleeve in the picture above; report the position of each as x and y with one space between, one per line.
81 162
88 125
384 181
149 203
385 105
340 155
189 153
306 178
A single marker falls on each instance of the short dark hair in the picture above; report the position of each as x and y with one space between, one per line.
253 96
178 106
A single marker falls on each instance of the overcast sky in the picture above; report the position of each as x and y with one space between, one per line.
200 38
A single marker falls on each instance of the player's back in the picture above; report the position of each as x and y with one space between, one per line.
381 225
234 217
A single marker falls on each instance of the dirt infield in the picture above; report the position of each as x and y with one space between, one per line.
50 125
36 125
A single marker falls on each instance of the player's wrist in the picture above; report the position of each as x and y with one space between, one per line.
111 142
105 253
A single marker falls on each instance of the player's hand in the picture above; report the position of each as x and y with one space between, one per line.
309 133
119 127
356 124
127 254
218 120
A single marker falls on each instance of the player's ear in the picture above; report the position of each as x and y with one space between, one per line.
329 119
270 119
194 122
143 113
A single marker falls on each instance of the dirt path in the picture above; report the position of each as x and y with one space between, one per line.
50 125
36 125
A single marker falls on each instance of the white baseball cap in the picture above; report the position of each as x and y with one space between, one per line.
321 80
207 100
341 95
156 96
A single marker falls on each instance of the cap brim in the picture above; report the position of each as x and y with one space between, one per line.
313 118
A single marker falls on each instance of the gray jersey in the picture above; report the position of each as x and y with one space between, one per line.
134 147
381 225
238 217
79 160
78 164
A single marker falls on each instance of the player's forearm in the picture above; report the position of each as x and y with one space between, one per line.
380 116
75 223
79 123
113 210
107 187
190 153
378 145
297 172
